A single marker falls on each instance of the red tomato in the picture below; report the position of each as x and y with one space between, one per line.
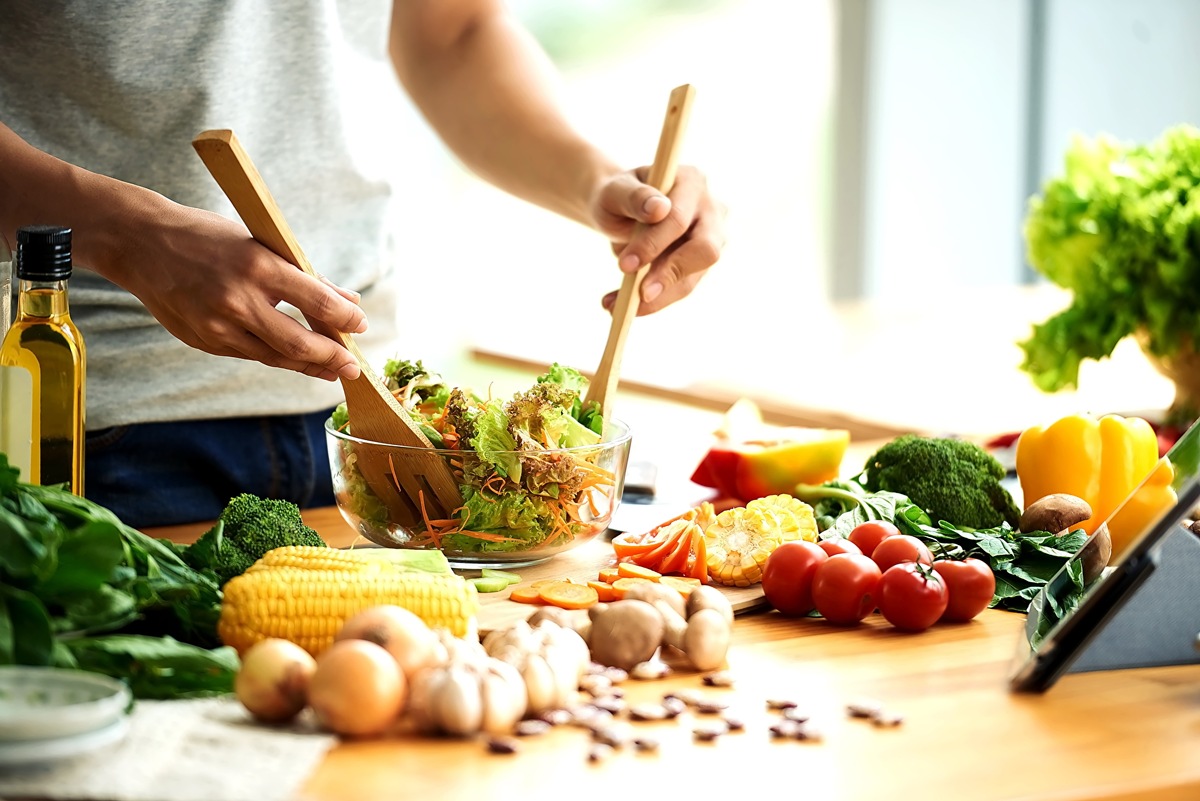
844 588
971 585
868 535
912 596
788 576
838 545
901 548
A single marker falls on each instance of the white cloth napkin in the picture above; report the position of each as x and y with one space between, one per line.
197 750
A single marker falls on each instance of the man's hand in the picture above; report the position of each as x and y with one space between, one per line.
680 236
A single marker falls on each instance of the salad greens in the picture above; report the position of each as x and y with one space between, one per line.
1021 562
80 589
520 488
1119 229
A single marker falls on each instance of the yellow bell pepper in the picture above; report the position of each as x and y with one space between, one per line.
1101 461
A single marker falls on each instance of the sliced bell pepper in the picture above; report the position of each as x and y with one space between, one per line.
772 465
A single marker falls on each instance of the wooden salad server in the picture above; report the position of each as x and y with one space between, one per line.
603 386
411 483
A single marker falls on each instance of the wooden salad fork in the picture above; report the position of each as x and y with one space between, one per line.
412 483
603 386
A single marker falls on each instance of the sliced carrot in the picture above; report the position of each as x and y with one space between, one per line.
622 584
539 583
569 595
685 584
604 590
609 574
526 595
631 570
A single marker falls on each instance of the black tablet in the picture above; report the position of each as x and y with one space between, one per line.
1142 610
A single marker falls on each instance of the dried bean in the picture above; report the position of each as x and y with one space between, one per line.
609 703
599 752
610 736
556 717
808 732
794 713
648 712
673 706
645 744
710 706
863 708
722 678
595 684
648 671
616 675
784 728
778 704
502 745
734 723
531 727
887 719
710 731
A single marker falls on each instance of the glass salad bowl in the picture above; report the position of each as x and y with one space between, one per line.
520 506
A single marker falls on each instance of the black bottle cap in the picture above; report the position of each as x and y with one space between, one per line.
43 253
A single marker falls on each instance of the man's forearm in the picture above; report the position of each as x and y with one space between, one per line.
487 88
37 188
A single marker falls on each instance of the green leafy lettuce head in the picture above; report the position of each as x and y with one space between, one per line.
1120 229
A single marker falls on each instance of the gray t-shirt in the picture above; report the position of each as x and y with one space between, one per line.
121 87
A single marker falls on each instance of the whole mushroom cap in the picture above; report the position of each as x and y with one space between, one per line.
625 633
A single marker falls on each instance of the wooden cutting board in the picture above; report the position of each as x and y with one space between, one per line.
581 564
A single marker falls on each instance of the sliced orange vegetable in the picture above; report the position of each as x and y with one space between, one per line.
526 595
678 561
539 583
621 585
629 543
631 570
569 595
685 584
697 565
608 574
604 590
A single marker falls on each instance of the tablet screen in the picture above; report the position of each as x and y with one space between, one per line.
1063 615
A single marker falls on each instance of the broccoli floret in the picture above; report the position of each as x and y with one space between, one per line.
248 527
951 479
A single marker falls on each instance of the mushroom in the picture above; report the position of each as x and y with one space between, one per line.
707 596
1096 553
703 637
1055 513
652 592
624 633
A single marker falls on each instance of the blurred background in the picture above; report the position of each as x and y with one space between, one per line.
877 158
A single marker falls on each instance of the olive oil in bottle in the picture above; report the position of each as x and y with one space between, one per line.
45 341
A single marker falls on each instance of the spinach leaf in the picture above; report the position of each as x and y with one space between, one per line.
158 667
26 637
87 557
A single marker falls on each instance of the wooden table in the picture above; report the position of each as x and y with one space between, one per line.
1131 734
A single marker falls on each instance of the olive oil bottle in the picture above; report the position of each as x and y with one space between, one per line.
45 341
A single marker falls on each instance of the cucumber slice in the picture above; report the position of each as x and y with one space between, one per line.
511 578
489 583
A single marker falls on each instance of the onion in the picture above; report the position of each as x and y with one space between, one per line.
272 682
357 688
400 632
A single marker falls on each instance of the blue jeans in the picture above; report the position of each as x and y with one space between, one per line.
163 474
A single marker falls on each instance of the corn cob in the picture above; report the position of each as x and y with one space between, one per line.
737 545
322 558
306 595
